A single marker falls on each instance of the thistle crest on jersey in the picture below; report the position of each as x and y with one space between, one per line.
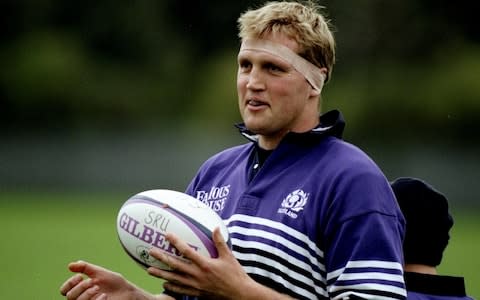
293 203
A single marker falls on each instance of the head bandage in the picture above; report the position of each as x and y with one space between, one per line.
312 73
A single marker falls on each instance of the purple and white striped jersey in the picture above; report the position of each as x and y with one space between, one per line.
317 221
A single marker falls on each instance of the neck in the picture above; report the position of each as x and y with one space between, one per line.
417 268
268 144
271 141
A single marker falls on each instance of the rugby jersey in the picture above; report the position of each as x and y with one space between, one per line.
318 220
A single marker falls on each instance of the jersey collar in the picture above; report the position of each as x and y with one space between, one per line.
331 124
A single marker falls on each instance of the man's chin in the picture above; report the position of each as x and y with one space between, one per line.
255 128
261 130
256 124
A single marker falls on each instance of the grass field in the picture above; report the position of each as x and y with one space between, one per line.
43 233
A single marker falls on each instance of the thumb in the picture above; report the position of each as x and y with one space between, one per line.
220 243
85 268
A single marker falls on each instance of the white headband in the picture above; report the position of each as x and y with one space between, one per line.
311 72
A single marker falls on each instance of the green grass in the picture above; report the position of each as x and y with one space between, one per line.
43 233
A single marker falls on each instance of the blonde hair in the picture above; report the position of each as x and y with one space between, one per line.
302 22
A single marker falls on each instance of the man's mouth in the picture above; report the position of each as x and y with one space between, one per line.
255 103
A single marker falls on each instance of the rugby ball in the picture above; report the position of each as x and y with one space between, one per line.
146 217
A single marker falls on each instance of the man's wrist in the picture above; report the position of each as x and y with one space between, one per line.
254 290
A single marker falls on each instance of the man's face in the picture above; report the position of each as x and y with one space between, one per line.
274 98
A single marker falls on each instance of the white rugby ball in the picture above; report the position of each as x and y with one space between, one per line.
144 219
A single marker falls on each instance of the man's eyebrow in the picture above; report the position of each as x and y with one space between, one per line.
311 72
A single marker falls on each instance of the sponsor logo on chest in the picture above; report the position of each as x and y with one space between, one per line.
215 197
293 203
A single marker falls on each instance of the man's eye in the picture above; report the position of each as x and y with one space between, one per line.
274 68
244 64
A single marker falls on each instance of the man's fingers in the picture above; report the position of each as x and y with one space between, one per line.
70 283
173 277
80 287
77 267
174 263
186 251
73 291
85 268
102 297
180 289
89 293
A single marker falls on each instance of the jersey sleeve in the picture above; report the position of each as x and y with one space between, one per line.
364 259
363 256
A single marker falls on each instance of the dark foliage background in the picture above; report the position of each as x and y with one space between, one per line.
111 93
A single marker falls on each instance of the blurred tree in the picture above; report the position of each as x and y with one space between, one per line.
140 64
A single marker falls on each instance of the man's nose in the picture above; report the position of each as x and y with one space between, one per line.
255 79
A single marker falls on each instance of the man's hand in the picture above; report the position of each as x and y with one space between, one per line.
101 284
221 277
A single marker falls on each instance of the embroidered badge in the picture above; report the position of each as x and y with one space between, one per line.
293 203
